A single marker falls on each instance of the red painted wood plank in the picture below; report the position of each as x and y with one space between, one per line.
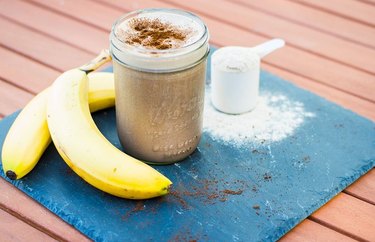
25 73
371 2
364 188
13 229
41 48
353 10
313 18
62 28
19 204
12 98
311 231
348 215
95 14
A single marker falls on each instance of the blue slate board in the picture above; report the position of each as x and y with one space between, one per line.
220 193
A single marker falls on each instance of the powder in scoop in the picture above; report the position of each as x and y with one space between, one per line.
236 59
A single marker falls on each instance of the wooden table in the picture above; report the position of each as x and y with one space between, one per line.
330 51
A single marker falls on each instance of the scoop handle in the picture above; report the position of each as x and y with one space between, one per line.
268 47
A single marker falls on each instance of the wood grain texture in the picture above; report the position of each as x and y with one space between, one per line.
35 214
311 231
12 98
364 188
74 33
13 229
316 19
348 215
350 9
24 73
41 48
95 14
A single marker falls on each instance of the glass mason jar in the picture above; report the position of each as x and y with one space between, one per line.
160 91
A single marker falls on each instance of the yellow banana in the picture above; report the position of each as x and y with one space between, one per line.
88 152
29 136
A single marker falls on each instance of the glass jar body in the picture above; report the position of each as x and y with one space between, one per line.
159 115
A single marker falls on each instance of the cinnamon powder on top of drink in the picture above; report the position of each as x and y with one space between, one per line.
154 34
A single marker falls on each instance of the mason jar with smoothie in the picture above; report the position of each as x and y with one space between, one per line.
159 62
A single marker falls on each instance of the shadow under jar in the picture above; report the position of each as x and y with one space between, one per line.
159 60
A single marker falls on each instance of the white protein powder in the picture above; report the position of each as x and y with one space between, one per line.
274 118
235 59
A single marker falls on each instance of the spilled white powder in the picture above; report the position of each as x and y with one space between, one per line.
274 118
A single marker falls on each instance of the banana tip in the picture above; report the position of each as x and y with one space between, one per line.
167 189
11 175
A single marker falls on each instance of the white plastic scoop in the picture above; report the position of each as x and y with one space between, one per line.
267 47
235 76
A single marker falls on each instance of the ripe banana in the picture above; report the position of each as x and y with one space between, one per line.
29 136
88 152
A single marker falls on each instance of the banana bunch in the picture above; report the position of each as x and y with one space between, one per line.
62 112
29 136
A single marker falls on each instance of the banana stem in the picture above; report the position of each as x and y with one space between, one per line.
103 57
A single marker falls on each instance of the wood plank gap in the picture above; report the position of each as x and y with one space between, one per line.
364 187
367 2
18 86
239 26
334 13
359 197
309 230
14 229
109 5
313 220
341 231
46 34
34 225
29 57
66 15
21 96
325 84
249 5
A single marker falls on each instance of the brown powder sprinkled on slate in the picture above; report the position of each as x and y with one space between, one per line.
267 177
179 199
256 206
155 34
139 206
232 192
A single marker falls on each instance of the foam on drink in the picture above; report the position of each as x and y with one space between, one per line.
159 31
